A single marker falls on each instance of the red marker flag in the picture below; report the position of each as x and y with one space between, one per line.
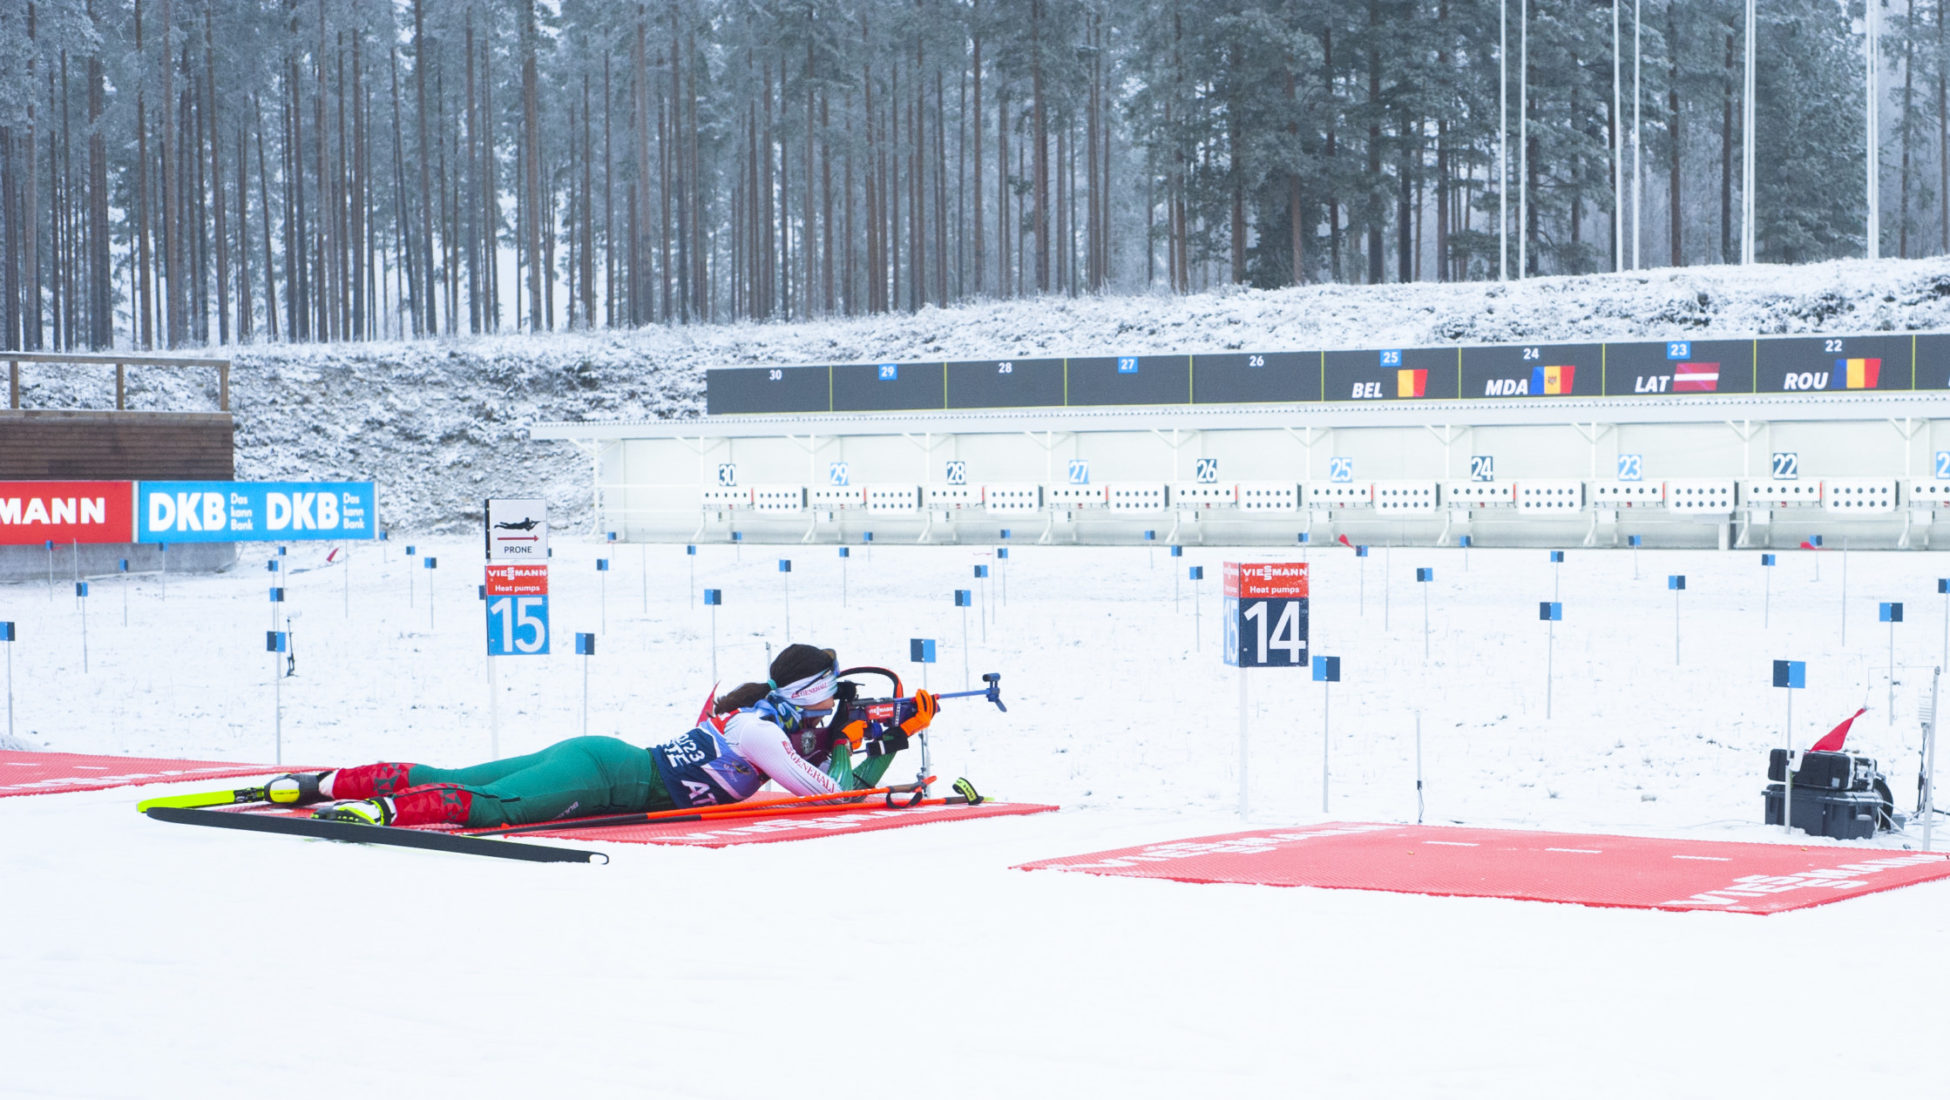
1343 541
1833 742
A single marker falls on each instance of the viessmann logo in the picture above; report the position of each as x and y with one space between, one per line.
66 511
1847 876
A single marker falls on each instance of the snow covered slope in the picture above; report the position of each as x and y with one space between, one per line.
441 423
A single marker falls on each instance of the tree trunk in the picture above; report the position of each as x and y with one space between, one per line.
1726 154
1040 144
979 257
1677 136
532 144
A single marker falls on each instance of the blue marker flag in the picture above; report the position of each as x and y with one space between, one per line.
1557 555
738 536
1360 551
962 598
585 645
612 536
1305 538
785 565
1552 611
866 536
274 641
1943 584
1636 540
6 632
81 588
1790 674
602 565
1676 582
1005 533
433 563
481 591
1177 551
846 551
691 550
981 571
713 597
1814 540
1890 613
125 565
1464 542
920 650
1328 669
410 551
1767 559
271 566
1196 572
1425 575
277 594
1002 552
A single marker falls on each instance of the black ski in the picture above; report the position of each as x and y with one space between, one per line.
376 834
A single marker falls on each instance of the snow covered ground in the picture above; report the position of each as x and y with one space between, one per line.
138 958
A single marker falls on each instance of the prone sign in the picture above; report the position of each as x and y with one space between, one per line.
243 511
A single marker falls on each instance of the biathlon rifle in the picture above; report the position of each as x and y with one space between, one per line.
891 710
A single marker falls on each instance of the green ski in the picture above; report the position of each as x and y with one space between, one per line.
377 834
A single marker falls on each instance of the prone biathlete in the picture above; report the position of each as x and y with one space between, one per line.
755 733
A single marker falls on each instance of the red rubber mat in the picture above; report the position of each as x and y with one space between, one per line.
59 773
1628 872
706 834
724 834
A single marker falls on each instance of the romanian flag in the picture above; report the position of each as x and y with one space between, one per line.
1861 374
1551 380
1411 383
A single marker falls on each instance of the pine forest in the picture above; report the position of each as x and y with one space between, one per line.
179 173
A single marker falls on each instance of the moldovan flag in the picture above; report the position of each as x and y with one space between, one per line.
1862 374
1695 377
1833 742
1411 383
1551 380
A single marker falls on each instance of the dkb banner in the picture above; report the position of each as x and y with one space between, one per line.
249 511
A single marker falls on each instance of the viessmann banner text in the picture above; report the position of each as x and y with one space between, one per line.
64 512
245 511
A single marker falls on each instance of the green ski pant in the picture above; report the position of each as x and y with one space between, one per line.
580 777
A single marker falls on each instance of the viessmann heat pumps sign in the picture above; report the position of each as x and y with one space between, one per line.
32 512
245 511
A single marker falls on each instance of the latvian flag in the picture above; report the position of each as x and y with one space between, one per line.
1552 380
1411 383
1695 377
1861 374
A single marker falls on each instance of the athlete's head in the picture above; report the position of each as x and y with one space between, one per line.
805 676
